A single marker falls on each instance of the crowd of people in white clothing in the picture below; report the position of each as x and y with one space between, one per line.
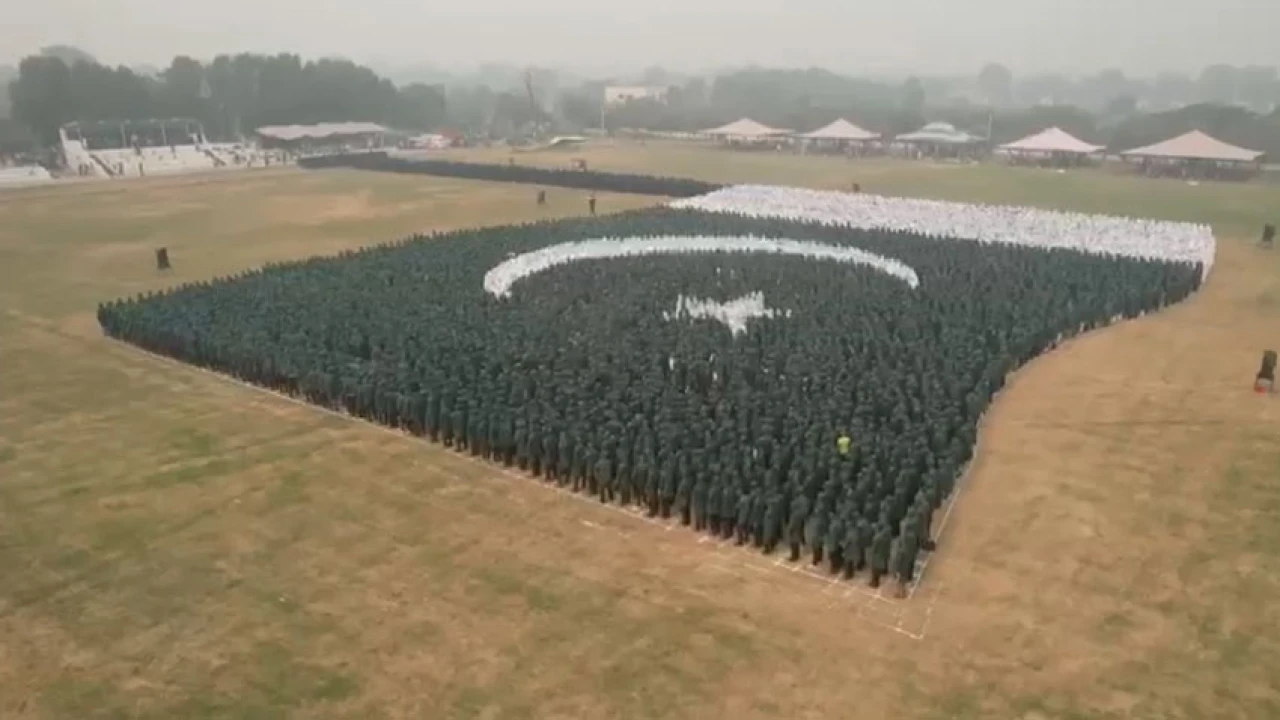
498 280
1099 234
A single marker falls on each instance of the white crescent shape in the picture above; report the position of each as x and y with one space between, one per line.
501 277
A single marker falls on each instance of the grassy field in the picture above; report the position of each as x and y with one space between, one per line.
174 545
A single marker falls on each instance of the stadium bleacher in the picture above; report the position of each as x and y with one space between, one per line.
153 147
22 175
144 161
80 161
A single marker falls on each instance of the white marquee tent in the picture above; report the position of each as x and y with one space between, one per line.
319 131
1051 141
1195 145
841 130
939 133
746 129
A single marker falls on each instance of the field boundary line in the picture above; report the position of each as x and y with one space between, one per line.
984 420
721 549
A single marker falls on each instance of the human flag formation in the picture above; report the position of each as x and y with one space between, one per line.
696 361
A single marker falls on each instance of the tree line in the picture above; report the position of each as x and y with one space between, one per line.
230 95
807 99
233 94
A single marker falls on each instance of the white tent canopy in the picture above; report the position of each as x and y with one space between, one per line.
840 130
746 128
320 130
1052 140
940 133
1195 145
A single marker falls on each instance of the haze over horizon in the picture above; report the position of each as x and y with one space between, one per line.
1141 37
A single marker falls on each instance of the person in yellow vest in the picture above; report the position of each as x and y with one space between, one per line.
842 445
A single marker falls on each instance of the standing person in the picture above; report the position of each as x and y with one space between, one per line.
623 481
542 198
714 496
760 518
667 492
651 488
908 548
843 442
796 522
815 532
834 543
684 491
521 449
1265 380
591 203
603 477
772 521
881 545
699 501
853 549
745 503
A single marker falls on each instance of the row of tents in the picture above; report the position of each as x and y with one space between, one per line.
1191 146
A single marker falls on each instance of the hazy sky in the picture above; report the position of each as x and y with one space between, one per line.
953 36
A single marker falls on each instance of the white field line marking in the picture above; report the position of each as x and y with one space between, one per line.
928 610
527 480
893 621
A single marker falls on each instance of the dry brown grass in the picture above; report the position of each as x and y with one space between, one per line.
175 545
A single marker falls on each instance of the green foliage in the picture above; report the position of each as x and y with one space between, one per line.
1015 125
581 179
41 96
579 377
996 83
7 74
1232 124
68 54
229 96
15 137
791 98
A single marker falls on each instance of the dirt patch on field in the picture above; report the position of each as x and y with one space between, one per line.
116 250
320 209
158 210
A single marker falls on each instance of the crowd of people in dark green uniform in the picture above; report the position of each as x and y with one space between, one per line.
833 432
593 180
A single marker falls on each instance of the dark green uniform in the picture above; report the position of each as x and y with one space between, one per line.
714 496
684 493
759 506
852 551
602 478
905 559
521 454
699 501
564 458
881 545
667 491
745 501
796 522
834 543
772 521
652 488
814 533
623 482
866 533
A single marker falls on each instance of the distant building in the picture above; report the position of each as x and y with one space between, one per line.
623 94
